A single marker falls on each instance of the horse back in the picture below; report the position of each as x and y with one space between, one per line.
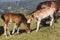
15 17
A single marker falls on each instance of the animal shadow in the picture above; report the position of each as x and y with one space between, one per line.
43 22
1 30
20 31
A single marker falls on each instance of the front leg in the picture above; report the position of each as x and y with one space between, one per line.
15 26
38 22
18 29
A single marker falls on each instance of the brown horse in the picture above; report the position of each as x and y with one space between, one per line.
46 4
41 14
17 19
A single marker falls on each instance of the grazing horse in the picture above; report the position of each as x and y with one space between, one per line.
17 19
41 14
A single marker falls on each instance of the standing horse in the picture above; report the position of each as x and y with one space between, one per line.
17 19
46 4
41 14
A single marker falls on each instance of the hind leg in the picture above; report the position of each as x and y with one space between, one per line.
8 31
55 17
5 30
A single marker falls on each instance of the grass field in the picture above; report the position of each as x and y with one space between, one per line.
44 33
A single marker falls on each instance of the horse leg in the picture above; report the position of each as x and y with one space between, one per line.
38 22
5 30
8 30
52 19
55 17
15 26
18 29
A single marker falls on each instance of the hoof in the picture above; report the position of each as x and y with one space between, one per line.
17 32
28 32
12 33
6 36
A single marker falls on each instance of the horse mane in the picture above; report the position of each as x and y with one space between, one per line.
32 12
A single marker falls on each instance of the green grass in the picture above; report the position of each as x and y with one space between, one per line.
44 33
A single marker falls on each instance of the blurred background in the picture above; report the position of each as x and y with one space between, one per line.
22 6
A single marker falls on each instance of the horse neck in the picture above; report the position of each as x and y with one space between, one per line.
24 19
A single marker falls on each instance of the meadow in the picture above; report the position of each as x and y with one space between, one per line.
44 33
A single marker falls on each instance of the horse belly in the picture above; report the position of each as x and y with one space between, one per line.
10 21
44 15
48 13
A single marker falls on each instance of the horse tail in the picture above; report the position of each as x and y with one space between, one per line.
2 17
